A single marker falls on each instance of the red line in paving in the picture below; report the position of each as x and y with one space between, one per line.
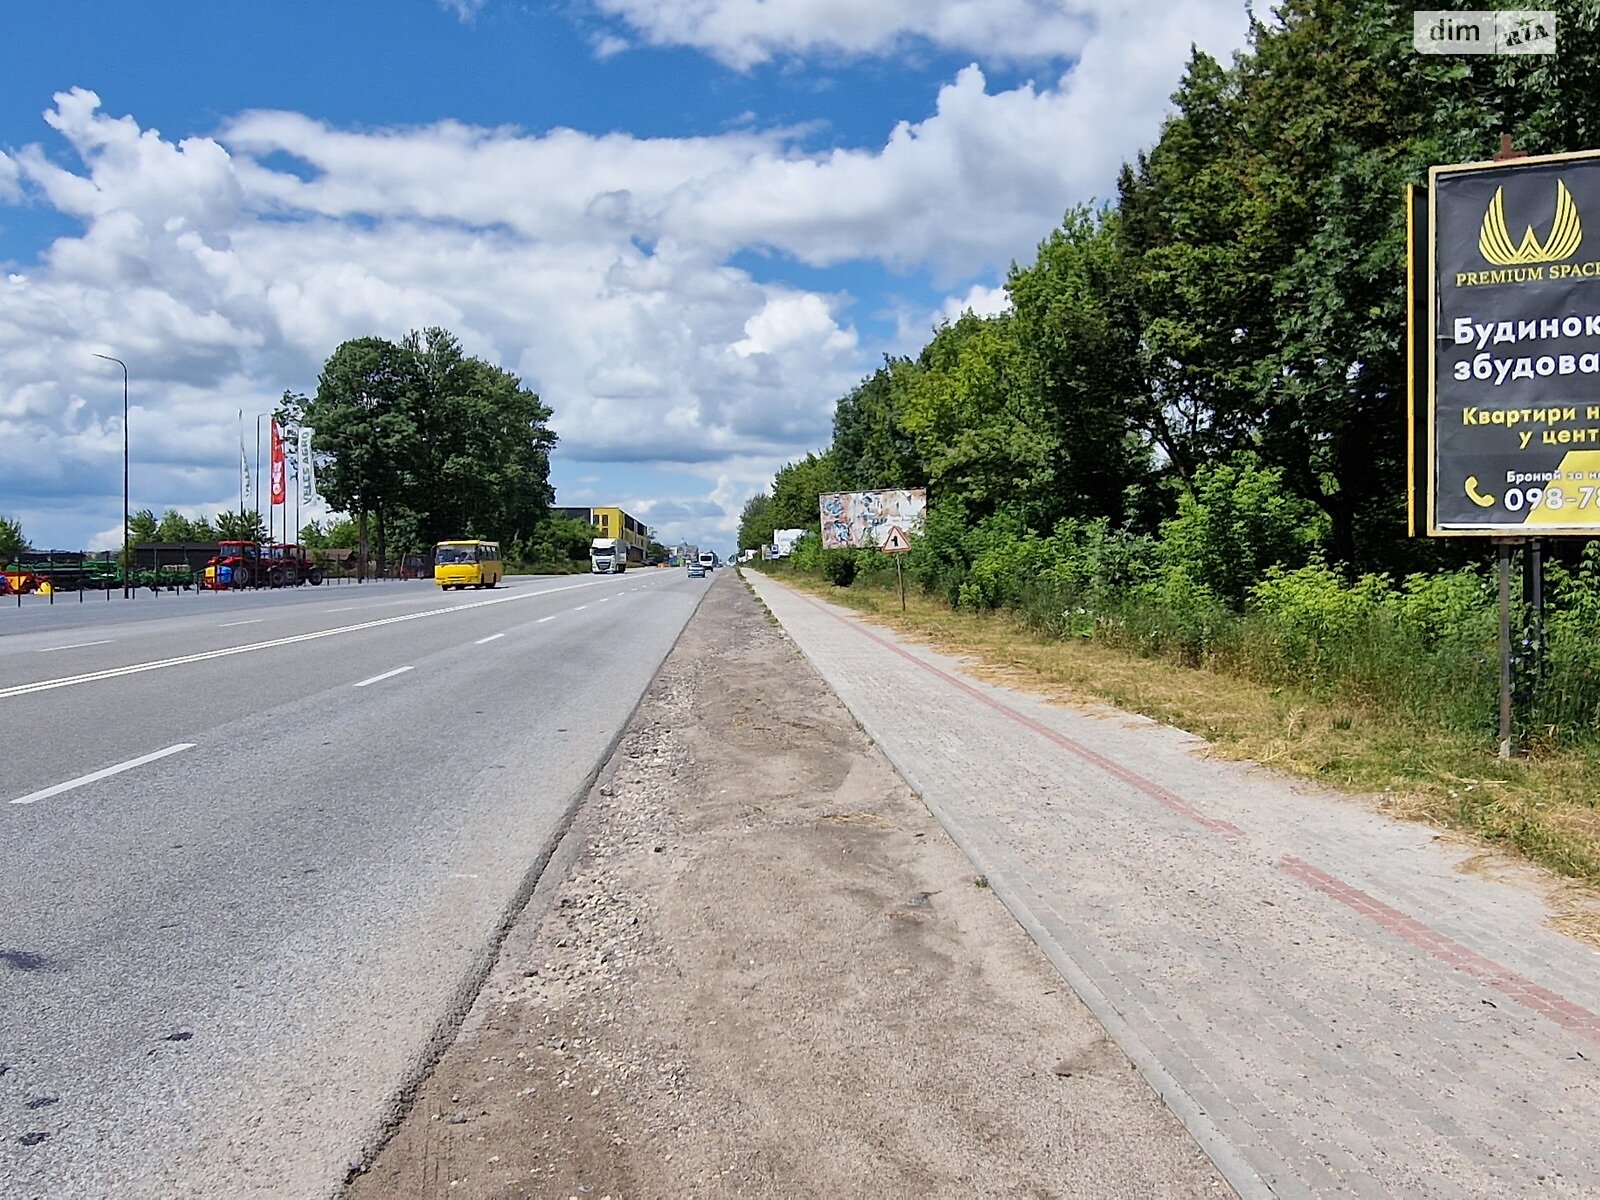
1514 986
1110 766
1509 983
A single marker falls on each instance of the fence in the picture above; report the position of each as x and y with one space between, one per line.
164 567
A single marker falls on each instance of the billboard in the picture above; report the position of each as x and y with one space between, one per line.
860 519
1508 376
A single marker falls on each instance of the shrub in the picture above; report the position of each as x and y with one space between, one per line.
839 567
1234 522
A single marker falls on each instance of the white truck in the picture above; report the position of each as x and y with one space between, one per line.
708 560
608 556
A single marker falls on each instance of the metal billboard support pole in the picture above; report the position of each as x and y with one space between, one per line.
1536 604
1503 570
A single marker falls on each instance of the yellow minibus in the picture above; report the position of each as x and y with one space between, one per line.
467 563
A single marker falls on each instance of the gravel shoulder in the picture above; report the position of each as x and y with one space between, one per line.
758 966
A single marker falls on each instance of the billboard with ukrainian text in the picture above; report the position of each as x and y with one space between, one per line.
1511 377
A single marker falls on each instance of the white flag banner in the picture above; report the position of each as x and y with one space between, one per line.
308 475
244 465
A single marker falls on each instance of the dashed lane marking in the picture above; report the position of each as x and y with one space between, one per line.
385 675
48 685
103 773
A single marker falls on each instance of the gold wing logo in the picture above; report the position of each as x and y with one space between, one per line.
1566 234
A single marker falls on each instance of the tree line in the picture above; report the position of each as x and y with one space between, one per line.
1229 330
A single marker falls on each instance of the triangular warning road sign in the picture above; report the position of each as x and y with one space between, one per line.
896 541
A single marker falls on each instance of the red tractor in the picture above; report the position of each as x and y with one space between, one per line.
288 565
235 565
246 564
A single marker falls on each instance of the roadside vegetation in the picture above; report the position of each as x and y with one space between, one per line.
1183 443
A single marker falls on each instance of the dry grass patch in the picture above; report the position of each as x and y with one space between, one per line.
1542 807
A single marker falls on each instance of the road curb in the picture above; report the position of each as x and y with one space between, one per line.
1227 1158
547 871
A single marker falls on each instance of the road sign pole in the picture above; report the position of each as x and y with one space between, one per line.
900 577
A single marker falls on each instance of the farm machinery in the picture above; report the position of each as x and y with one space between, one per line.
249 564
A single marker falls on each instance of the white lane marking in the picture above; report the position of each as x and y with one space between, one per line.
231 624
75 646
603 599
346 608
492 637
580 608
105 773
385 675
542 620
48 685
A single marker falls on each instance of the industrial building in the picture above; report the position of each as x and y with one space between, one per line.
612 523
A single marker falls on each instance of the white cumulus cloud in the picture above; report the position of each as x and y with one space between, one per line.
744 33
225 268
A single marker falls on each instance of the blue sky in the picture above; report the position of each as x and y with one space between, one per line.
691 224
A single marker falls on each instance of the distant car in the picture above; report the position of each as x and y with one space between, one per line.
696 571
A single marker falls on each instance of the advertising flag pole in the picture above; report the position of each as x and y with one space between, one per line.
258 477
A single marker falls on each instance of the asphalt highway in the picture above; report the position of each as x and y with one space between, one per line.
254 851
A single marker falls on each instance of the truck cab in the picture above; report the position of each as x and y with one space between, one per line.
608 556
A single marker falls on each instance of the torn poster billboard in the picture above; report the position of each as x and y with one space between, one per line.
860 519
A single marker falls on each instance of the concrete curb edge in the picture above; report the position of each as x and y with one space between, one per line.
1241 1176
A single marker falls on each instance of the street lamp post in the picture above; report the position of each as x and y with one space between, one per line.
127 554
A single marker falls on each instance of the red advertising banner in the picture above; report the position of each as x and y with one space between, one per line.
280 492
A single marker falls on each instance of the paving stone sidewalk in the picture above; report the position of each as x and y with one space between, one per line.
1325 999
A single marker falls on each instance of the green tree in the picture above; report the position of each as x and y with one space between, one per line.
175 527
434 444
1077 323
482 464
143 527
971 409
871 446
239 527
1237 521
561 539
795 490
364 414
755 522
12 542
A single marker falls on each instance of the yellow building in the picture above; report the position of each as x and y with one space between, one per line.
614 523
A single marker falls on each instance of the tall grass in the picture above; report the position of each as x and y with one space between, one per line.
1423 649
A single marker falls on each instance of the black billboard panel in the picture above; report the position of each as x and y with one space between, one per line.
1513 377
